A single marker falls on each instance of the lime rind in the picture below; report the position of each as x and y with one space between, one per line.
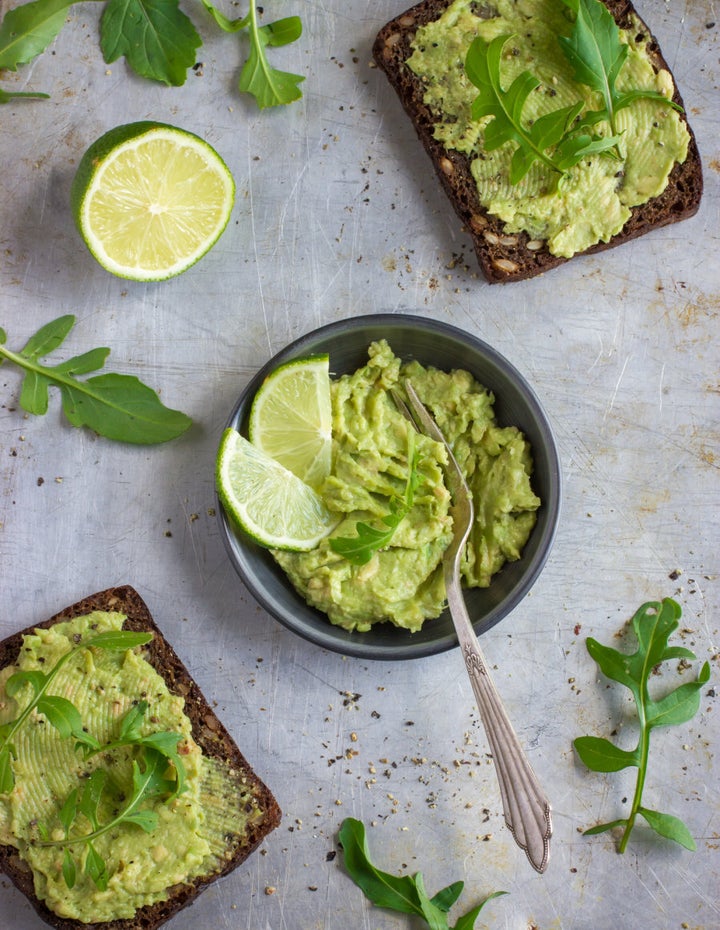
265 500
198 220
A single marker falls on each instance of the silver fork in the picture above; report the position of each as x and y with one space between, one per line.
526 808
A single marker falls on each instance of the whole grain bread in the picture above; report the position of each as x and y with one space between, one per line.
512 257
208 732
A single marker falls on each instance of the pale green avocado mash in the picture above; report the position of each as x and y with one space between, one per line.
191 838
403 583
593 200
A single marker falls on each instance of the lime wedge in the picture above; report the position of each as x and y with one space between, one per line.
291 418
267 501
150 200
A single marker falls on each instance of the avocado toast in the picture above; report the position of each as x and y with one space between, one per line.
406 50
236 807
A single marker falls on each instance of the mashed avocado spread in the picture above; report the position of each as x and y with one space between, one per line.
403 582
593 200
194 828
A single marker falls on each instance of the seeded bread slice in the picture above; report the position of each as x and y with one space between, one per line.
208 732
513 257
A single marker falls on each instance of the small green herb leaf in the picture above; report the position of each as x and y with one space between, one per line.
600 755
7 95
48 338
680 705
7 778
670 827
146 820
68 869
361 548
68 811
446 897
95 867
36 680
118 639
404 893
155 36
131 724
653 623
164 743
27 31
119 407
61 714
467 921
597 54
91 796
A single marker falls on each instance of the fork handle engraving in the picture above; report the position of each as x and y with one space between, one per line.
525 805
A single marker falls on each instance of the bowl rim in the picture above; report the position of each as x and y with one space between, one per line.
353 644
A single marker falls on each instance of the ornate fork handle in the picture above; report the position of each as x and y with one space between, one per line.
526 808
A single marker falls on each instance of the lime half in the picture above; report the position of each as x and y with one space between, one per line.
150 200
291 418
267 501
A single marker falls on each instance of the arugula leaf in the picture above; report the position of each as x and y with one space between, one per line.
269 86
119 407
597 54
7 95
164 743
27 31
68 723
157 39
403 893
653 623
149 782
361 548
505 107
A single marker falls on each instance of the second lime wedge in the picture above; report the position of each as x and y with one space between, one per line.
267 501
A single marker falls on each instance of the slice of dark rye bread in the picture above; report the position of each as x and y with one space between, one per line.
513 257
208 732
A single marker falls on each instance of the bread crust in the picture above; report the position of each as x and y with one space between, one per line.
502 257
208 732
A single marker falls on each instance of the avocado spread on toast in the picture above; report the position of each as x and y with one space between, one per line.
592 201
189 839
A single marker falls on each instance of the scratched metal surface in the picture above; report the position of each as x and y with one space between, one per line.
337 215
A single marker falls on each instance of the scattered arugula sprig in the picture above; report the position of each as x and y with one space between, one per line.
59 712
404 893
156 752
562 138
269 86
653 624
361 548
158 41
116 406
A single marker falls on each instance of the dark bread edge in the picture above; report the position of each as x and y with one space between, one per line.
680 199
208 731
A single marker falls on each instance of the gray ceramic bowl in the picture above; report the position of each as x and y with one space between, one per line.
445 347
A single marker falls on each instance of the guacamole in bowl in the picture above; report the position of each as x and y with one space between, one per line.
496 426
